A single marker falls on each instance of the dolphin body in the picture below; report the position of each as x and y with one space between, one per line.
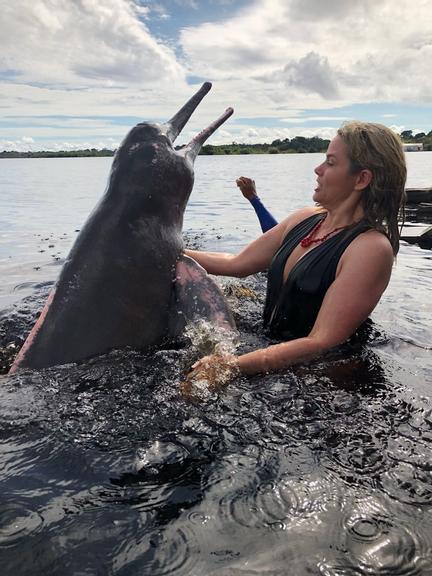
125 281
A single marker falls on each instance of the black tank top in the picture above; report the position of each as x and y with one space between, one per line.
291 308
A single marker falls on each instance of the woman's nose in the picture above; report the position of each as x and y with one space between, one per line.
318 169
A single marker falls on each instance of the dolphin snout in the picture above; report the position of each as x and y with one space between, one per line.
194 146
178 121
174 126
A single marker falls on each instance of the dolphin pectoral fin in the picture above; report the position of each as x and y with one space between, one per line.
197 295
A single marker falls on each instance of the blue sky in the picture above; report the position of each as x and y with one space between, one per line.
80 73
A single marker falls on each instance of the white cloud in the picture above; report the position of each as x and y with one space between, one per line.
84 43
23 144
317 10
417 131
271 58
297 120
142 11
188 3
397 129
159 11
311 73
249 135
342 52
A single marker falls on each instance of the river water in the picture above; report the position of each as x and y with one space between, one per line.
106 469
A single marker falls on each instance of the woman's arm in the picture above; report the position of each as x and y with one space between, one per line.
248 189
256 257
266 219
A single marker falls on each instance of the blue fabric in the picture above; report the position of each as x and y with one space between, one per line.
265 218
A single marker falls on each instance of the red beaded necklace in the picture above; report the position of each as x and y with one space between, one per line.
309 240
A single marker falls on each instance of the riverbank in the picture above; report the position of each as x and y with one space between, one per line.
296 145
209 150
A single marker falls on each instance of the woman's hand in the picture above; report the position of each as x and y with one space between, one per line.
247 187
210 374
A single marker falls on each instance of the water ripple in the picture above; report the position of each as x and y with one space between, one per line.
277 504
362 454
378 544
159 554
409 484
165 475
18 522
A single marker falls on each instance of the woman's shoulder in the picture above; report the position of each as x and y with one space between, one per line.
371 246
374 238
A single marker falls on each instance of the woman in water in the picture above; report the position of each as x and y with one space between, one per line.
328 264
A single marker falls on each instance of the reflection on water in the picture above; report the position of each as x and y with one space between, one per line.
106 469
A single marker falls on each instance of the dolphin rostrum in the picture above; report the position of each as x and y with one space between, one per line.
125 281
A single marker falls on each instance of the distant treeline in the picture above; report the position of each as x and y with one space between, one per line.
296 145
90 152
421 137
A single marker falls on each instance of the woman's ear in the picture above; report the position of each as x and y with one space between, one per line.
364 178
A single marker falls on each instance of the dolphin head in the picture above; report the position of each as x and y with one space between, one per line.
147 166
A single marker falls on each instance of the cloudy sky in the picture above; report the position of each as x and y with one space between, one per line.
80 73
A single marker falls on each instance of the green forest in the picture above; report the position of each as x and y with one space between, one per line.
296 145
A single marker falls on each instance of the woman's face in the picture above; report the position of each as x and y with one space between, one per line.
335 180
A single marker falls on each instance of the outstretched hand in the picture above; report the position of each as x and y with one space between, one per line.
210 374
247 187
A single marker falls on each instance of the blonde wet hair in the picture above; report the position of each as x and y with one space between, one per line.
377 148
